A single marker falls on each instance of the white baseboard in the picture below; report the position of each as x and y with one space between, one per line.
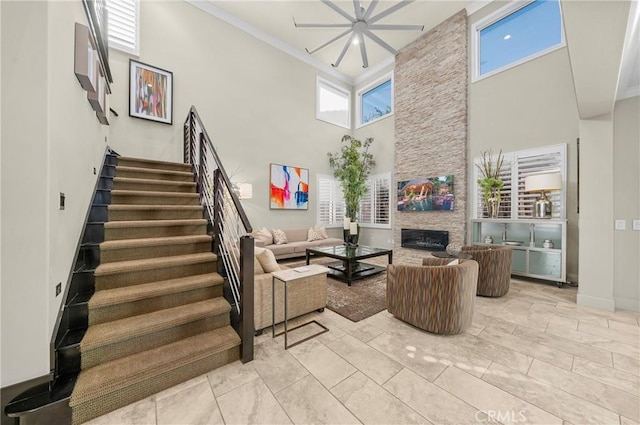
595 302
627 304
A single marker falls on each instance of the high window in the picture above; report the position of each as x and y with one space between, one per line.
374 207
124 17
517 33
333 103
375 101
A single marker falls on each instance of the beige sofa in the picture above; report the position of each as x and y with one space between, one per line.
297 243
304 296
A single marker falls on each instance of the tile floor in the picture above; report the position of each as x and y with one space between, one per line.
532 356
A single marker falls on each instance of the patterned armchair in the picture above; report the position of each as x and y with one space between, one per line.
495 268
435 297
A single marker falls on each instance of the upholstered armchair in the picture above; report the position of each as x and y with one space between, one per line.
435 297
494 274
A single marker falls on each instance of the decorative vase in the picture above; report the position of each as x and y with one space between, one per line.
492 207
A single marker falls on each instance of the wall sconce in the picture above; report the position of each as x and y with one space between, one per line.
244 190
541 183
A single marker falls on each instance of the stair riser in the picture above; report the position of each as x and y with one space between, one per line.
143 164
137 277
129 215
124 310
153 200
181 188
113 234
141 343
145 388
154 176
141 253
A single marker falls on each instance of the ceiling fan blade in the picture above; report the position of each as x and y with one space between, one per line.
363 53
358 9
344 51
369 11
337 9
381 42
390 10
322 25
337 37
396 27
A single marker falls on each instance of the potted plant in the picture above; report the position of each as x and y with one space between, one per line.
351 166
490 182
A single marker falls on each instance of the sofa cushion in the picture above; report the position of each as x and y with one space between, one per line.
268 261
331 242
301 246
281 249
296 234
257 267
263 236
279 237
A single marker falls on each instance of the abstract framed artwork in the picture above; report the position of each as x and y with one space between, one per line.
150 92
288 188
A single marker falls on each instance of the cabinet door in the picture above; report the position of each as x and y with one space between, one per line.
545 263
519 261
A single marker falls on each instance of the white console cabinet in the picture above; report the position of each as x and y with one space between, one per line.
526 237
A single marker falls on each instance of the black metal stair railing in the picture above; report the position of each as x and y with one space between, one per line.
228 223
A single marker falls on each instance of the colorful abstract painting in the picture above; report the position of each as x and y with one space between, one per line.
289 188
150 92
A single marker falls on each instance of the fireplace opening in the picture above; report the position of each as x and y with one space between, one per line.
429 240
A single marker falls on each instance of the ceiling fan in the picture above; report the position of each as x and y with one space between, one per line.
360 26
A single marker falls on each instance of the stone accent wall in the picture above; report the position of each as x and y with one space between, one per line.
431 127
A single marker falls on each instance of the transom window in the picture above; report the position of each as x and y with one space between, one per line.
333 104
375 101
517 33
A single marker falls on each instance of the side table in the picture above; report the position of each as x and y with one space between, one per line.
287 277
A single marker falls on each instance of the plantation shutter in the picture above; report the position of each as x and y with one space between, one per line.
330 201
548 161
374 208
123 25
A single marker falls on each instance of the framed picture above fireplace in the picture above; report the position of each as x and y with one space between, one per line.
426 194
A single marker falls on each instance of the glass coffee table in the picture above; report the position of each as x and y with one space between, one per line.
349 268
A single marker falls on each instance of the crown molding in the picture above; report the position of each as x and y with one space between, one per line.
230 19
476 5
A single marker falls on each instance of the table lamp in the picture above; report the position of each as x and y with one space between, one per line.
541 183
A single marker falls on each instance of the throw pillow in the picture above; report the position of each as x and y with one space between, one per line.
279 236
268 261
314 234
322 231
453 262
257 267
263 235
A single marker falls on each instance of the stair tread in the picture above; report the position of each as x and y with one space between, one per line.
117 374
147 242
128 207
152 181
133 327
154 223
154 171
121 192
152 161
143 291
154 263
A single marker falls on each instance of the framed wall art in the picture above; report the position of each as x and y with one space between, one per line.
288 188
150 92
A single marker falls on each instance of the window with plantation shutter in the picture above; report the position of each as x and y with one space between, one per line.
515 202
330 201
123 18
374 208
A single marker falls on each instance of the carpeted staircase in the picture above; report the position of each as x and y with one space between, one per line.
158 316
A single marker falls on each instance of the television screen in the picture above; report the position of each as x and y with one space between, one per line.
427 194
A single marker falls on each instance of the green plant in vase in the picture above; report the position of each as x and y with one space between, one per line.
351 166
490 182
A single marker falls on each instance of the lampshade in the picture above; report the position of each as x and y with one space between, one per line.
540 182
245 190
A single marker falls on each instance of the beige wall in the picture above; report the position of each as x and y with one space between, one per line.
626 203
51 142
528 106
257 103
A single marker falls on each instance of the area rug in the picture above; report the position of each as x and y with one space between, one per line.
364 298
